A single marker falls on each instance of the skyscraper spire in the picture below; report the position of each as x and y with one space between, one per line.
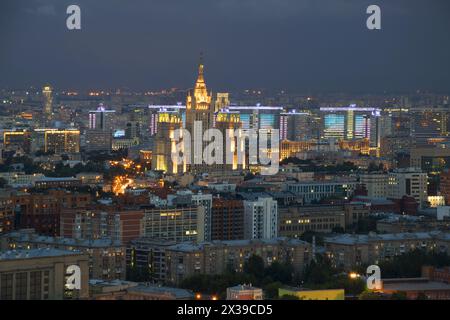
201 78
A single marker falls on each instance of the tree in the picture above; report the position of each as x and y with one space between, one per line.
271 290
371 295
318 272
280 272
138 274
409 265
254 266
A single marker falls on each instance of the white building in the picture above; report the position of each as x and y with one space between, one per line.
376 184
408 182
244 292
205 200
20 179
261 219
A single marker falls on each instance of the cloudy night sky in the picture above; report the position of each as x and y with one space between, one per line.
298 45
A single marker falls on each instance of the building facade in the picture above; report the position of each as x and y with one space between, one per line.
40 274
261 219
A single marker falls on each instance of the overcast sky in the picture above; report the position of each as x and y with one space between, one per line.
298 45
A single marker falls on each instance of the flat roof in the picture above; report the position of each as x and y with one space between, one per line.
349 239
178 293
54 179
418 284
35 253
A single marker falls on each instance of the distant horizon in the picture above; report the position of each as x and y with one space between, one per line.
112 90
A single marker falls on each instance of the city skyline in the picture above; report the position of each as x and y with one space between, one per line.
224 150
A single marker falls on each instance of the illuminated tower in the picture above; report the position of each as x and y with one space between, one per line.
168 122
225 121
199 112
350 123
100 119
48 102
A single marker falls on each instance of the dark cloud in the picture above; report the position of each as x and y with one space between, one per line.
302 45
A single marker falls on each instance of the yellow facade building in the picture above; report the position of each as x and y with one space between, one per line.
305 294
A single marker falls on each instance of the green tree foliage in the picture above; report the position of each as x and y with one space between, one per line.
215 284
270 278
371 295
271 290
138 274
255 266
318 272
409 265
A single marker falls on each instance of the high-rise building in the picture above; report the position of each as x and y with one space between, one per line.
168 122
98 140
334 126
101 119
47 95
227 219
39 274
408 182
261 219
17 139
298 126
206 201
62 141
259 116
376 184
226 121
352 122
188 198
133 130
429 125
119 225
199 112
180 223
